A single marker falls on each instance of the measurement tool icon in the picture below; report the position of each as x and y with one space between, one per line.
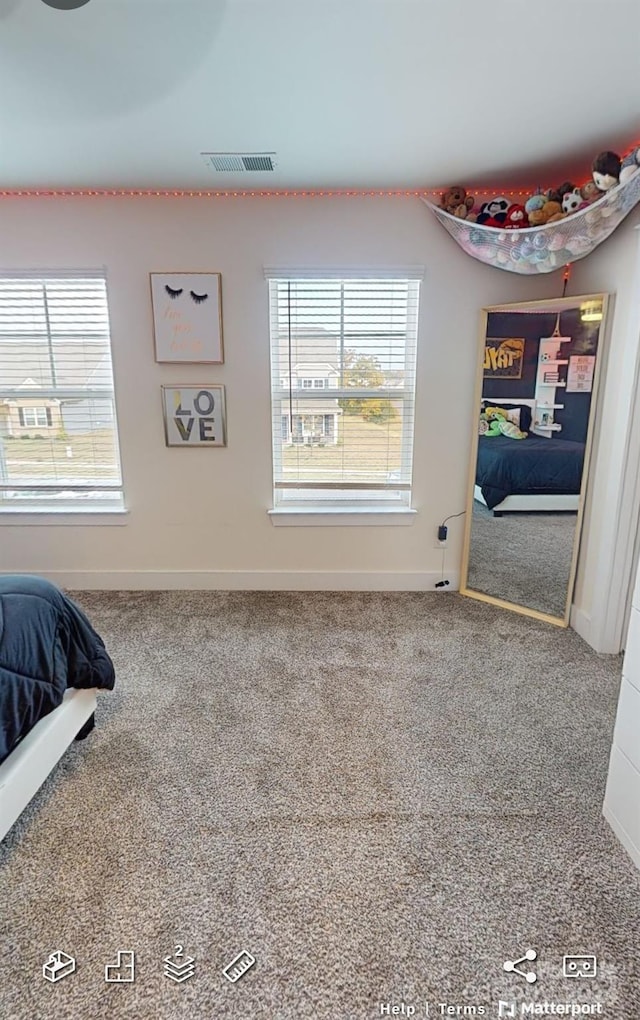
239 966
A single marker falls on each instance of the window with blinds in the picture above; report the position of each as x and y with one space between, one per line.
343 359
58 435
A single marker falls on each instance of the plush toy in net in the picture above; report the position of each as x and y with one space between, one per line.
552 245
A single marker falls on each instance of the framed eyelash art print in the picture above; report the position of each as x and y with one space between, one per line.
187 317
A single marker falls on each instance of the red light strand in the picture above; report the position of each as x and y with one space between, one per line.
172 193
428 193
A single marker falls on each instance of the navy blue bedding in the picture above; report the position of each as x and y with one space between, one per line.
46 645
531 466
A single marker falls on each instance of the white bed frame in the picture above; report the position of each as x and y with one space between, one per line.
540 502
25 770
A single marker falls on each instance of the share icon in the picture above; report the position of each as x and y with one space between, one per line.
511 966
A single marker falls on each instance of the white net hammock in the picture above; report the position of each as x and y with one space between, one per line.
548 247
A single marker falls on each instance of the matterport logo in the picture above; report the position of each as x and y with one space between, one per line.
562 1009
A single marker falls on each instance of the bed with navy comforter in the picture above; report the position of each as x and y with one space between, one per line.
46 645
533 466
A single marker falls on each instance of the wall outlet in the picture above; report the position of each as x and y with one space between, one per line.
441 543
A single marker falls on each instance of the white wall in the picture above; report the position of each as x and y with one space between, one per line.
198 517
622 797
194 511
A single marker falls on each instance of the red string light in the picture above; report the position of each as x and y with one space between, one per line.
428 193
173 193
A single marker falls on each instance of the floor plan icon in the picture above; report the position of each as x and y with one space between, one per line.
123 970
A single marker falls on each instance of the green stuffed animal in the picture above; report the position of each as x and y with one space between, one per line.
499 426
494 427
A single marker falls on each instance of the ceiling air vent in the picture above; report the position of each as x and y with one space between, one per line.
240 162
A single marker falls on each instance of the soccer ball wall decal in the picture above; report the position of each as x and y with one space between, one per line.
65 5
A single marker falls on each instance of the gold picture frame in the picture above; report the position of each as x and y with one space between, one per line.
187 317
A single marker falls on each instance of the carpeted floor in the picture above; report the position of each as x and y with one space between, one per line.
382 797
522 557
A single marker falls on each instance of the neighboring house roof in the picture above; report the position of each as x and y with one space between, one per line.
317 349
320 368
75 364
308 347
312 407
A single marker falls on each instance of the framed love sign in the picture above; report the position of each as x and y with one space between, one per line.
194 415
187 317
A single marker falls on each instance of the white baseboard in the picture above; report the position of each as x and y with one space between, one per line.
623 836
250 580
593 634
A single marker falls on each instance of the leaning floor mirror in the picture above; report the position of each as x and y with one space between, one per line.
535 401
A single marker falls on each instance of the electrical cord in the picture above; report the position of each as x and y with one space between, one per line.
443 530
442 537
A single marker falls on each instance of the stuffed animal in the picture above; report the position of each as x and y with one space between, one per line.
502 412
534 202
571 201
549 212
499 426
590 192
560 215
493 213
510 430
516 218
457 203
606 170
494 412
629 166
564 189
493 429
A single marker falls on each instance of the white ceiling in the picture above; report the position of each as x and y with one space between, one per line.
348 93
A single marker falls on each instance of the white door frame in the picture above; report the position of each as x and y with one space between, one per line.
604 630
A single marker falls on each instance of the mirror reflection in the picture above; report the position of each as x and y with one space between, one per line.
534 421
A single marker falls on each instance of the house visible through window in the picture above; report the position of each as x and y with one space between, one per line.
355 340
58 437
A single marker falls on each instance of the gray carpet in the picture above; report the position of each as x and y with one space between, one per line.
522 557
382 797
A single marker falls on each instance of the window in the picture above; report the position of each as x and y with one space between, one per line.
58 436
354 447
38 416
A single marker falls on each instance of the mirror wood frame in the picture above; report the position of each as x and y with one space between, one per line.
549 306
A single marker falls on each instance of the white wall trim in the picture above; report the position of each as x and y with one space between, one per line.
344 272
341 517
250 580
621 489
581 623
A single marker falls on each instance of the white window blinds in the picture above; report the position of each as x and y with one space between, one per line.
58 436
353 339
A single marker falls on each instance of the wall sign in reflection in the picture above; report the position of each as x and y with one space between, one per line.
503 358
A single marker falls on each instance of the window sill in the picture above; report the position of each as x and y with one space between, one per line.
74 518
297 517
